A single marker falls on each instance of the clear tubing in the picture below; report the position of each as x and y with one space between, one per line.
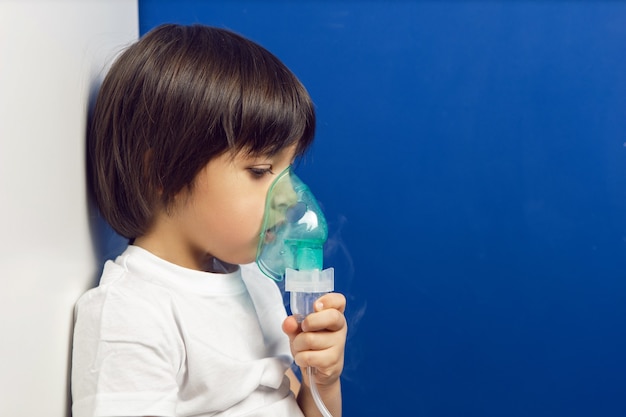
316 395
301 306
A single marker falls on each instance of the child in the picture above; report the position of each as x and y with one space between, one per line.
191 126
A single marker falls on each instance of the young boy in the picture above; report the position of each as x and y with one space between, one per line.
190 128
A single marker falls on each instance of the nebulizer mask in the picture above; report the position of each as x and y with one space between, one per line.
291 247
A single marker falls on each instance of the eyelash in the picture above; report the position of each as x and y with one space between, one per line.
260 172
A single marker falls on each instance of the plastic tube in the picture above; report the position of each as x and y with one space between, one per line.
302 306
316 395
305 288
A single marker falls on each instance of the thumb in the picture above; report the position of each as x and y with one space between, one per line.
291 327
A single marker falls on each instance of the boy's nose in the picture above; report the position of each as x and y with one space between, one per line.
284 195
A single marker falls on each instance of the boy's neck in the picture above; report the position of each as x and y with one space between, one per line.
200 262
217 266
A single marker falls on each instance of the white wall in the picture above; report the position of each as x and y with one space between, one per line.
51 53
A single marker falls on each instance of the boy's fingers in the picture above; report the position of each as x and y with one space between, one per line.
332 320
312 341
331 300
320 361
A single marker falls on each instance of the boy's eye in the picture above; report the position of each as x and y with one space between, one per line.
259 172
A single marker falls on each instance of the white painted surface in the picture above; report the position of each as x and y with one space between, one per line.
51 54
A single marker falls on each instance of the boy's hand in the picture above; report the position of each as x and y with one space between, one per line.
320 340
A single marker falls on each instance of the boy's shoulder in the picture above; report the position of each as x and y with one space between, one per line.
119 284
124 300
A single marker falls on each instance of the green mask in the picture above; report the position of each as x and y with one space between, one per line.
294 228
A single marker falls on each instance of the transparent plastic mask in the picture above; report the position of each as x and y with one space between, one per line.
294 228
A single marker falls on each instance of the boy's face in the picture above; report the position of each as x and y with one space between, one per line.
221 216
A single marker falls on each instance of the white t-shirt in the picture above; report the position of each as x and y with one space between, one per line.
156 339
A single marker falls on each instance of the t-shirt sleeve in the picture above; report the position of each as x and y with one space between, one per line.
125 361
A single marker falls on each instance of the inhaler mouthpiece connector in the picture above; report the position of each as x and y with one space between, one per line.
310 281
306 287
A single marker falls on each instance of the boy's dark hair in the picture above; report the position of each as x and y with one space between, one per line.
174 100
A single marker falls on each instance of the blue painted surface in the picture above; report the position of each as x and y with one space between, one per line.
471 160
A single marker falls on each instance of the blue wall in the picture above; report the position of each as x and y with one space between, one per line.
471 158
